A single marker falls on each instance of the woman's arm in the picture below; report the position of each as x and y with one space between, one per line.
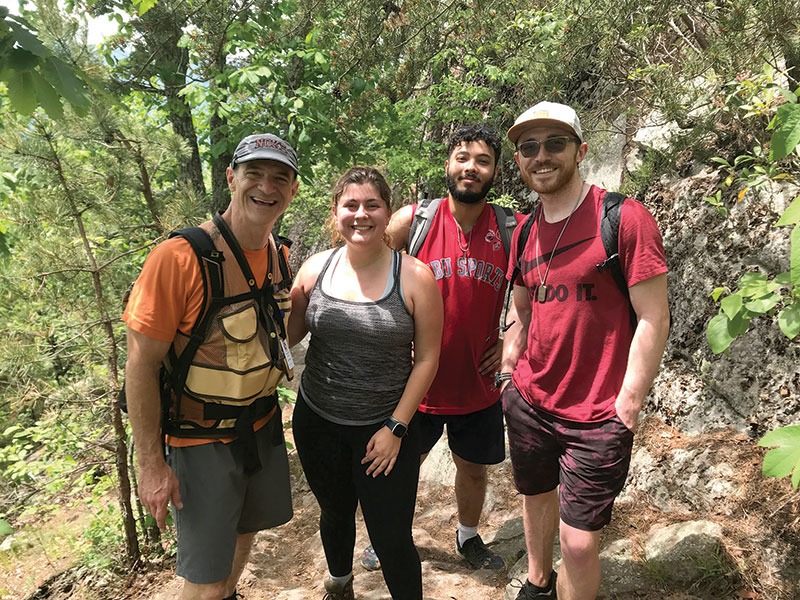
303 283
424 301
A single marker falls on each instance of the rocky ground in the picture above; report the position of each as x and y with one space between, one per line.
696 521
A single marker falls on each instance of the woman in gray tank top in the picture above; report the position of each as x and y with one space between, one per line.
365 306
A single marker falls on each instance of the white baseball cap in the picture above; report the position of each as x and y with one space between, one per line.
545 113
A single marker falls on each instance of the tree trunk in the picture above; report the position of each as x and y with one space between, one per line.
163 30
133 552
220 194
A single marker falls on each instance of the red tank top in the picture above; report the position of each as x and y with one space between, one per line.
470 271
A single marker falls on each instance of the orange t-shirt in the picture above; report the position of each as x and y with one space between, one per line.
168 295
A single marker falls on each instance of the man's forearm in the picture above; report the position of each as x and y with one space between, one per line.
515 341
644 358
144 410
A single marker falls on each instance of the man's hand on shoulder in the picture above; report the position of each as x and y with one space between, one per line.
399 227
158 485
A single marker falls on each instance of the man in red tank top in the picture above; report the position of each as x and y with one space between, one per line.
465 251
581 369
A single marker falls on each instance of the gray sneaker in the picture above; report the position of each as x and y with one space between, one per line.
334 591
527 591
478 555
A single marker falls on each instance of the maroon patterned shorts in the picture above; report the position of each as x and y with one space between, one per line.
588 460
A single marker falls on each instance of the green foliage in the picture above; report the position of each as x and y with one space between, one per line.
286 396
5 528
787 130
103 538
783 460
34 76
757 294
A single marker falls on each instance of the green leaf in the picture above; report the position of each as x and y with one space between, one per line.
783 460
788 94
27 40
731 305
721 161
789 320
762 305
144 5
794 259
784 437
756 289
717 334
791 215
5 528
63 79
22 60
739 325
718 292
787 131
47 96
218 148
782 279
21 91
753 277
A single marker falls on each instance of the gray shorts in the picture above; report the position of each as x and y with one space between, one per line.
220 501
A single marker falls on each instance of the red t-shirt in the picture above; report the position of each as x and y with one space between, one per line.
579 338
473 285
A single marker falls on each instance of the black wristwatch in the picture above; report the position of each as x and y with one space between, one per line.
396 427
499 378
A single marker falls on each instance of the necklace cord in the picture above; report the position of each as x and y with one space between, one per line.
558 239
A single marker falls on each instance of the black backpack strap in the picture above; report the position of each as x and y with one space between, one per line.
286 274
522 240
264 293
421 224
210 261
506 223
609 233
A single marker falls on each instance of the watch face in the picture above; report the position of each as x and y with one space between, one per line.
399 430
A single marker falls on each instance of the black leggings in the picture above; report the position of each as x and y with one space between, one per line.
331 457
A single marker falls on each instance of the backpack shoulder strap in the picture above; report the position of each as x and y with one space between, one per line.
210 261
506 223
522 240
421 224
282 245
609 233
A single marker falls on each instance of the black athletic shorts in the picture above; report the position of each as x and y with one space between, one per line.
476 437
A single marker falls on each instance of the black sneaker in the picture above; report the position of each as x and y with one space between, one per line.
527 591
338 592
478 555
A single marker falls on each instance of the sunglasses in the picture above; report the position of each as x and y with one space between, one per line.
553 145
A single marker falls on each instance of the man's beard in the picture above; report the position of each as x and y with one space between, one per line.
466 196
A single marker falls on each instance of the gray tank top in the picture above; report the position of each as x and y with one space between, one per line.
359 355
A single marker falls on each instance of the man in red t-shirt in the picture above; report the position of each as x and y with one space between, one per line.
464 249
580 369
